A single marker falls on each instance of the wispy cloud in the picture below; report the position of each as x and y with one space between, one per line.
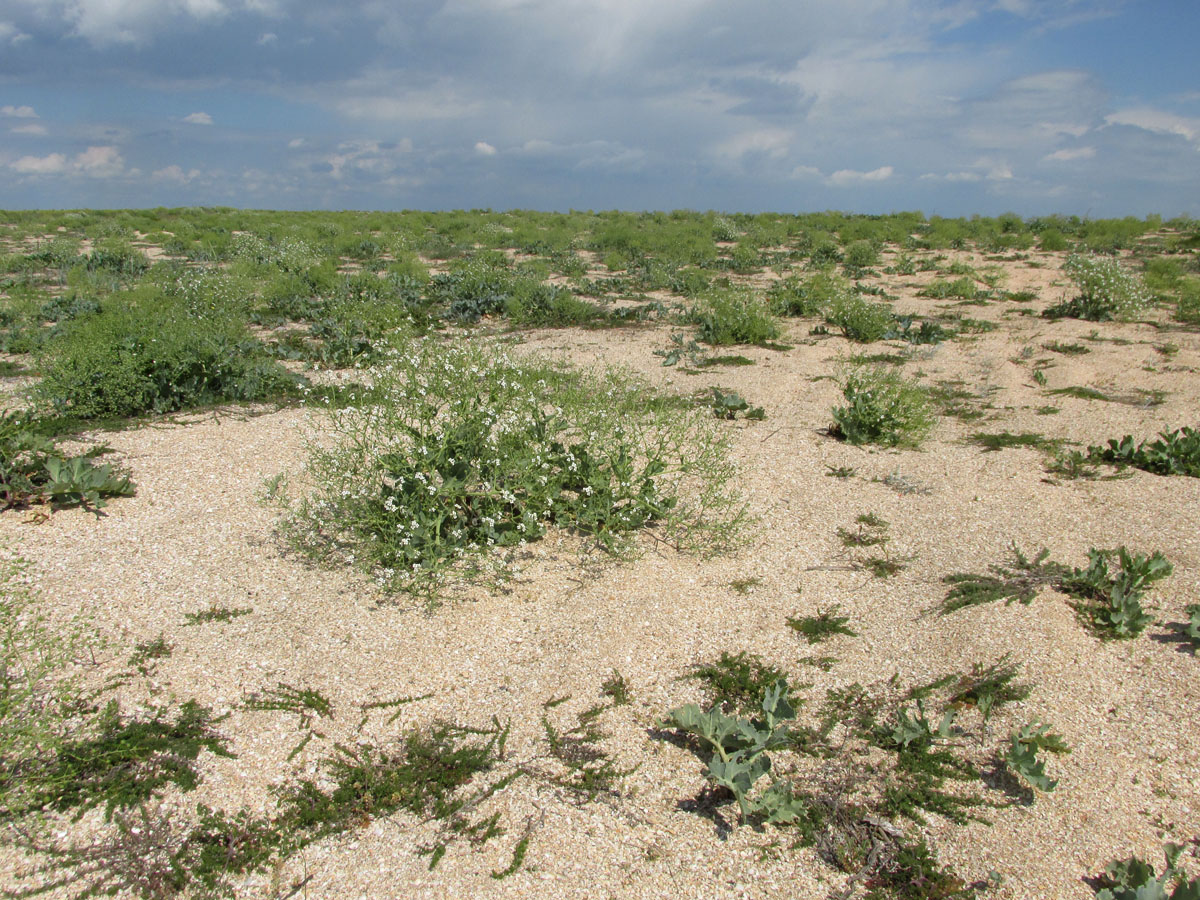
1156 120
198 118
850 176
1067 155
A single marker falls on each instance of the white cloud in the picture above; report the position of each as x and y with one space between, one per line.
107 22
11 34
1066 155
1156 120
773 142
844 177
994 168
175 174
18 112
40 165
198 118
806 172
100 162
104 23
266 38
296 143
483 148
387 95
32 128
366 158
95 162
952 177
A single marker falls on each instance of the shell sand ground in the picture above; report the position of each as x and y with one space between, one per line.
194 537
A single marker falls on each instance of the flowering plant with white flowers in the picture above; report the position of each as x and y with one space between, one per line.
458 453
1106 290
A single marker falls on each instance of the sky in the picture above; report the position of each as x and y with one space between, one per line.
952 107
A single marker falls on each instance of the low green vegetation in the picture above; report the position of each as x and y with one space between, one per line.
1108 599
463 453
928 745
882 407
33 470
1135 879
731 316
860 320
151 352
445 458
1172 453
825 624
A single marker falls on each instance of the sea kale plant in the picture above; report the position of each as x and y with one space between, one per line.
882 408
459 453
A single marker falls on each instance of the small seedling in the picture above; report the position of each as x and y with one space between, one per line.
215 614
1022 759
737 681
616 688
993 442
871 531
146 652
842 472
987 688
1022 580
726 405
303 702
1191 629
824 624
745 585
1067 349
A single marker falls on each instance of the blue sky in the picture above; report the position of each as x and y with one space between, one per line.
953 107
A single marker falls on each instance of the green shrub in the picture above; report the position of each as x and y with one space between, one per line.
860 319
882 408
146 352
825 252
1106 290
812 296
733 316
463 452
1187 307
546 305
745 258
1052 240
961 288
860 255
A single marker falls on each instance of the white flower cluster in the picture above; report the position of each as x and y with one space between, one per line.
1104 283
